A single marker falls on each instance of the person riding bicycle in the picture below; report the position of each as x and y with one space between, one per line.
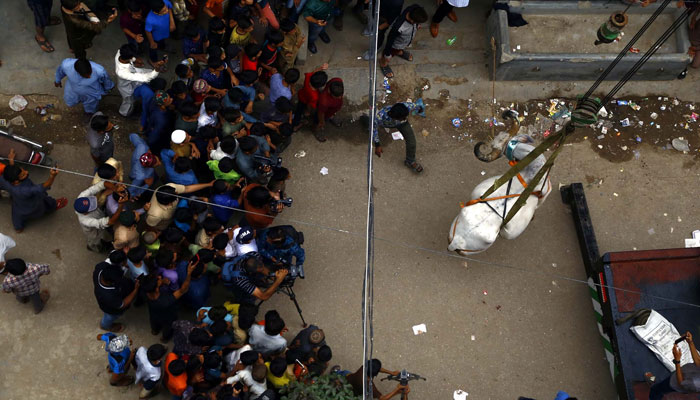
375 367
245 275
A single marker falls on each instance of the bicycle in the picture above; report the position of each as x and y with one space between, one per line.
403 377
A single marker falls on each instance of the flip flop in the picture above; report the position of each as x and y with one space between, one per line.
45 296
54 21
60 203
406 55
417 168
45 46
387 71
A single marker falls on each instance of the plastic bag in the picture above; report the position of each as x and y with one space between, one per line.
18 102
658 335
6 243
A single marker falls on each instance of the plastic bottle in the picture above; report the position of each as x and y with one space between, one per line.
451 40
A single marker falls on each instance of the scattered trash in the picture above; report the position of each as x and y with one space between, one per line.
18 121
625 122
622 102
300 154
662 107
554 265
451 40
483 173
651 231
419 329
498 308
396 135
654 115
636 154
680 144
603 112
473 337
53 117
638 139
18 102
419 106
3 123
485 293
679 219
615 194
324 171
634 50
460 394
624 148
457 122
425 133
554 283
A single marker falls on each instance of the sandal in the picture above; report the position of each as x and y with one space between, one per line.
387 71
45 46
320 137
60 203
116 328
124 381
44 295
417 168
406 55
54 21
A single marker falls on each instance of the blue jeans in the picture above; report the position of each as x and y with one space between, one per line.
314 31
295 11
108 320
660 389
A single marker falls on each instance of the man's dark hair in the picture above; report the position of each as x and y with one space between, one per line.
177 367
246 315
249 357
247 144
218 328
257 129
106 171
164 258
373 367
226 165
194 364
164 195
278 366
117 257
199 337
112 273
212 104
287 25
230 114
181 70
216 24
188 109
418 15
183 215
205 256
279 174
211 224
276 233
149 284
274 37
214 63
220 186
398 111
212 360
292 75
208 132
134 6
258 196
220 241
251 49
83 67
324 353
157 84
286 129
336 88
178 87
99 123
283 105
244 21
136 254
156 5
273 323
182 165
191 30
235 95
251 265
173 235
156 351
127 52
197 207
248 77
318 79
15 266
11 173
217 313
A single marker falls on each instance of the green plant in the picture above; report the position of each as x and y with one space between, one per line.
325 387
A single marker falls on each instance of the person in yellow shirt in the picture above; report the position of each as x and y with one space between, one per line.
277 374
241 34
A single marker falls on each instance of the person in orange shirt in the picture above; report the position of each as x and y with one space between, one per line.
214 8
175 375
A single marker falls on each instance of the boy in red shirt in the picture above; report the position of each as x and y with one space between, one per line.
308 95
330 101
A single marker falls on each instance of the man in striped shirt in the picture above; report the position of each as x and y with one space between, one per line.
23 280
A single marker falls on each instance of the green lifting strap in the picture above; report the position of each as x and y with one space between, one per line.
561 136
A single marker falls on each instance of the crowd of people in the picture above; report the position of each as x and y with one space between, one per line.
195 207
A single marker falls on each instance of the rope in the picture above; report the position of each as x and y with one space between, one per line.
368 280
401 244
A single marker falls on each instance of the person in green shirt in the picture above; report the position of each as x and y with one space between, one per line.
187 118
232 122
223 169
317 13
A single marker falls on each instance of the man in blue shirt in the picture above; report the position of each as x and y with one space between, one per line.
178 171
119 357
245 160
143 164
160 123
223 196
146 92
278 248
29 200
159 24
86 83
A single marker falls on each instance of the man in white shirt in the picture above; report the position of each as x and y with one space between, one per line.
148 368
93 219
129 76
253 378
268 339
241 241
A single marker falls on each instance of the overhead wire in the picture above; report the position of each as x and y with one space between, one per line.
394 242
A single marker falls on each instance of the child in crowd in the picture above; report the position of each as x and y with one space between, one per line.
119 357
148 369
